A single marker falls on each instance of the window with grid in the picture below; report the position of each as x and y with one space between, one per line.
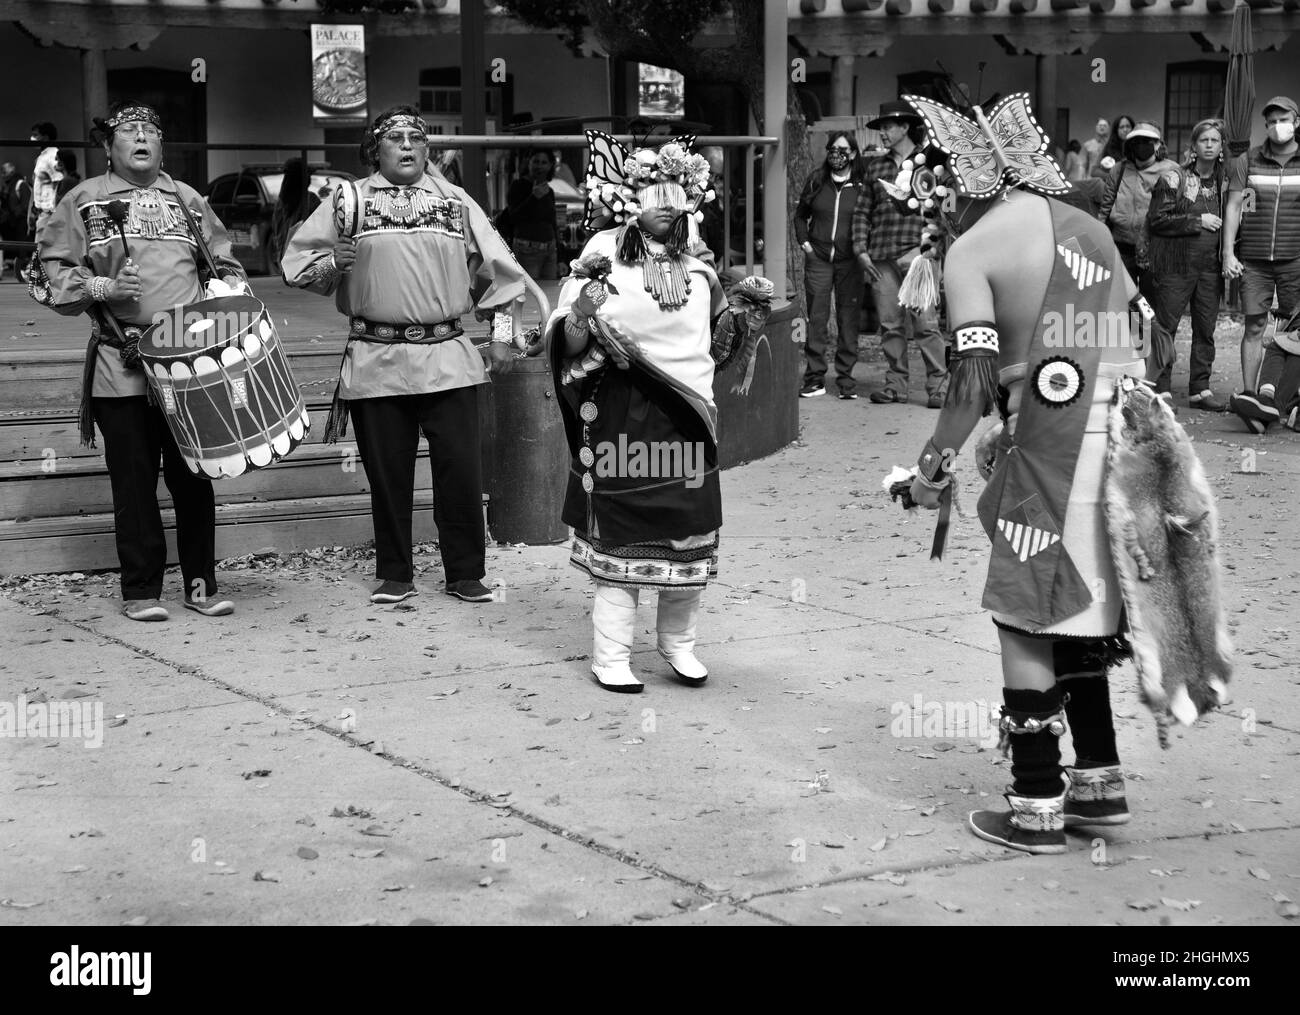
440 93
1193 91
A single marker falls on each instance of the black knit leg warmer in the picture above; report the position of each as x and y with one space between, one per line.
1035 756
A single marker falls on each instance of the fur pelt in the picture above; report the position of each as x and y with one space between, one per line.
1163 527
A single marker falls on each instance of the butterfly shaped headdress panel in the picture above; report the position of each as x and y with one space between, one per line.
616 176
987 154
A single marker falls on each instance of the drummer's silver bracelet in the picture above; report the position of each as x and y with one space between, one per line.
502 328
99 288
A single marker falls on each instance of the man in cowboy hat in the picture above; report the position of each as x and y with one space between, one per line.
886 239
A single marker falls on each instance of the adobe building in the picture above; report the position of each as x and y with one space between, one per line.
1165 60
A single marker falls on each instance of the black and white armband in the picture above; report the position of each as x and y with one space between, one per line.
975 366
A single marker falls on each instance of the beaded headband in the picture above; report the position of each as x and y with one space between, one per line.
401 120
132 114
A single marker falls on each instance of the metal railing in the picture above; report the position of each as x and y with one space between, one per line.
748 146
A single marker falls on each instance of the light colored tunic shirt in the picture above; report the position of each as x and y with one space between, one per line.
167 259
677 341
45 180
423 257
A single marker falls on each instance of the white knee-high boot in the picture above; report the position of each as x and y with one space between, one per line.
613 619
679 612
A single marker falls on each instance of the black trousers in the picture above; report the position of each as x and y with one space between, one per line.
135 435
821 278
1200 286
1162 337
388 436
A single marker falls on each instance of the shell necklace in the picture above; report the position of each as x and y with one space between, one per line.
149 214
665 278
402 205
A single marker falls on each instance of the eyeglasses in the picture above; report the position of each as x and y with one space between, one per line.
136 129
840 148
398 137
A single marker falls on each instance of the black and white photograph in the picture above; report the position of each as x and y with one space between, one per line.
651 463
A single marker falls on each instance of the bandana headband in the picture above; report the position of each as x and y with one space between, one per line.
131 114
401 120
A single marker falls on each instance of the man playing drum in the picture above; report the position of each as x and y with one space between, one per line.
81 251
406 255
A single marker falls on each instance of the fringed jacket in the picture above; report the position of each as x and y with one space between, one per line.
1179 242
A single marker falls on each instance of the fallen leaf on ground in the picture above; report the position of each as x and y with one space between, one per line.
377 831
951 907
1261 873
1142 905
307 853
136 921
485 882
890 876
833 910
11 904
271 876
1183 905
366 854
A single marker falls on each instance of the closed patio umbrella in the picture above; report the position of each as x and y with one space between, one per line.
1239 94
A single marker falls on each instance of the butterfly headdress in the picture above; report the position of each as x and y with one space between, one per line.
987 154
616 176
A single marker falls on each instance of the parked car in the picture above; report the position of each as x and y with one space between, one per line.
244 202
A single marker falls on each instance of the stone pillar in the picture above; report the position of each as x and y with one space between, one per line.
94 102
842 85
775 85
1045 101
473 98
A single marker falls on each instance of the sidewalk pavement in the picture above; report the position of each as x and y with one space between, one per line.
317 759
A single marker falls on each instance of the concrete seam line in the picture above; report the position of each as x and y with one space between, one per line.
397 761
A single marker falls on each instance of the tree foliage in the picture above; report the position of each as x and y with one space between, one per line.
663 33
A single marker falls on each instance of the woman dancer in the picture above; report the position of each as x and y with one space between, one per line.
634 342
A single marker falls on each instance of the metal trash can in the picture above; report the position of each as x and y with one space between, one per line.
529 457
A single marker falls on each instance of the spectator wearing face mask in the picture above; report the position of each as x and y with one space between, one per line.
1126 198
823 225
1261 246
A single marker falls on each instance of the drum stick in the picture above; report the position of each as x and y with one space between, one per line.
117 212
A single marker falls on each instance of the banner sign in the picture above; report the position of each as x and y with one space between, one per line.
338 74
